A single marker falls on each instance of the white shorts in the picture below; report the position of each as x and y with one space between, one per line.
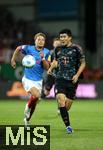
28 84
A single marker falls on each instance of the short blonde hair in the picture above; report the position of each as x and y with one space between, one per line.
39 34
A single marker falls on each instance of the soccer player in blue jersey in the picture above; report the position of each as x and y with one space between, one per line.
70 60
32 79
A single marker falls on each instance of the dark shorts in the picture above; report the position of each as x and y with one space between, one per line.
50 81
66 87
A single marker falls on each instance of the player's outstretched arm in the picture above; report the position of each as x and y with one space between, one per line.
13 59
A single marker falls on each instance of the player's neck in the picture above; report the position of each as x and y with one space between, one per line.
69 44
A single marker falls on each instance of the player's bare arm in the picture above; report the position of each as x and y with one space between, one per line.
54 64
80 70
45 64
13 59
44 61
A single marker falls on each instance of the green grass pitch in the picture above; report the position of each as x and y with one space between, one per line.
86 120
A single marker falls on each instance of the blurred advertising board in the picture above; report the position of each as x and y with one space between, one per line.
91 90
8 73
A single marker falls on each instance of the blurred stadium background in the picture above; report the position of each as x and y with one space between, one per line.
19 21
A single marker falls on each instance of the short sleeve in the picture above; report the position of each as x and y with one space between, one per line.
80 52
24 49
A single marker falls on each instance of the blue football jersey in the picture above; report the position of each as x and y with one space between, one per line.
36 72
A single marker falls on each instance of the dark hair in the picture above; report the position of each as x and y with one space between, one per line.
66 31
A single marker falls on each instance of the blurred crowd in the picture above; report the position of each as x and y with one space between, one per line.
93 74
13 33
16 32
